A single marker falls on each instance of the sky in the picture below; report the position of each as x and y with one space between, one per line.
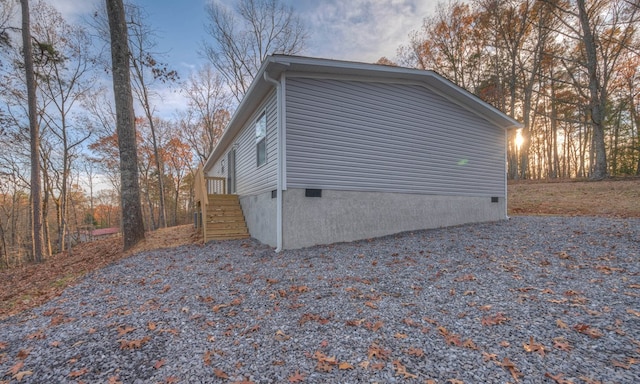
355 30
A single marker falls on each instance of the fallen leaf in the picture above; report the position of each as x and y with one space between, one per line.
207 357
296 377
588 330
511 367
79 373
3 345
124 330
159 363
345 365
558 378
401 370
20 375
133 344
16 368
55 344
415 352
281 336
489 356
465 278
378 366
470 344
324 366
371 305
220 373
496 319
561 324
364 364
151 326
505 343
430 321
399 335
23 353
38 335
455 381
633 312
114 380
533 347
378 352
561 344
165 289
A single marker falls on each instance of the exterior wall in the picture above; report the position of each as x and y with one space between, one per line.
251 179
340 216
260 216
386 137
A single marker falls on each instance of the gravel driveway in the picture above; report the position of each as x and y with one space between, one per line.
531 299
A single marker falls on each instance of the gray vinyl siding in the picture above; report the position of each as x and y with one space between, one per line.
368 136
251 179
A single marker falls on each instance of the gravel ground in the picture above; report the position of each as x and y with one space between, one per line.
532 299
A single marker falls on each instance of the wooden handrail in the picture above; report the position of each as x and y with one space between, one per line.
216 185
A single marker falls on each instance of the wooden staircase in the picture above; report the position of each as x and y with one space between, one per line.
223 219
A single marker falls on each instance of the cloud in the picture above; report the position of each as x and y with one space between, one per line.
360 30
72 10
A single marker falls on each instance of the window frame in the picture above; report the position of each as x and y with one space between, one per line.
261 140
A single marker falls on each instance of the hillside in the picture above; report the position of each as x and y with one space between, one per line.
609 198
33 284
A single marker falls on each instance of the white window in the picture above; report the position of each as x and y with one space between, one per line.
261 139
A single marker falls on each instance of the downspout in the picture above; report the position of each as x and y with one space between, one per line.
506 174
279 182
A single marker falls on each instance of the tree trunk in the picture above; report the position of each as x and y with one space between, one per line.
162 215
132 224
34 132
595 104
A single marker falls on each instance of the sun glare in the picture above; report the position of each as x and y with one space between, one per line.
519 139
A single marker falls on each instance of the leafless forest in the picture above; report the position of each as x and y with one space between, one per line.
568 70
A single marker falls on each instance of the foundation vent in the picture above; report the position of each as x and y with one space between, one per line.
313 192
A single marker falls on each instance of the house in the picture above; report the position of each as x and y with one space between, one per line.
322 151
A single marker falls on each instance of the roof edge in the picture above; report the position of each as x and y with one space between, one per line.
276 64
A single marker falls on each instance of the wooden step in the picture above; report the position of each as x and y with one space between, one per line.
223 202
222 197
229 237
224 219
230 208
226 232
226 225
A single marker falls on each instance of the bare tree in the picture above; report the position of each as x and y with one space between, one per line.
63 67
604 29
146 72
132 224
208 113
244 36
36 203
6 12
